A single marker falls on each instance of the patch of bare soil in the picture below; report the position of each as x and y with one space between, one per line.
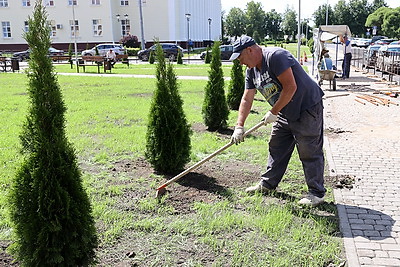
209 183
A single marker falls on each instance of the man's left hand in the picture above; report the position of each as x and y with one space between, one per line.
269 118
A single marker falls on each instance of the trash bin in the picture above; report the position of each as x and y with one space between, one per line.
14 64
107 65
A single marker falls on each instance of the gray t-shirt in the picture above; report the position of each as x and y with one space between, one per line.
275 62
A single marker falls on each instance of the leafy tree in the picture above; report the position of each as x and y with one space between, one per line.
391 23
289 23
377 18
376 4
168 133
255 18
273 22
49 207
215 110
235 22
320 16
236 86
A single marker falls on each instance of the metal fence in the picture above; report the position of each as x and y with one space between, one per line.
387 63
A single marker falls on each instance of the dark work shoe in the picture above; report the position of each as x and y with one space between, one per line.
257 188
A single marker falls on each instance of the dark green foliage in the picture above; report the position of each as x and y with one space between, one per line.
152 57
215 110
180 59
208 57
236 86
50 211
168 133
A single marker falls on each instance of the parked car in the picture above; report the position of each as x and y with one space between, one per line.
171 51
226 52
376 38
23 55
103 49
370 56
384 41
395 43
363 42
354 41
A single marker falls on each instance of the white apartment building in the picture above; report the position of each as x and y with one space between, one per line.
102 21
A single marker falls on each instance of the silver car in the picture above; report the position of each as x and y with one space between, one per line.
103 49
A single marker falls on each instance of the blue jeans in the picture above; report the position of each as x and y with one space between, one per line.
346 65
307 135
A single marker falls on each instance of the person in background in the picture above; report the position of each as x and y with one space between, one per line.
296 114
326 63
111 57
346 56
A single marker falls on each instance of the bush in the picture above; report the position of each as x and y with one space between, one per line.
236 86
168 133
215 110
152 57
50 210
310 45
180 59
207 59
130 41
132 51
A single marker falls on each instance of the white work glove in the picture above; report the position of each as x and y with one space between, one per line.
269 118
237 135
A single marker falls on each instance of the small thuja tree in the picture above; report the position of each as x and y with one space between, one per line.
236 86
168 133
215 110
180 59
207 58
152 57
50 210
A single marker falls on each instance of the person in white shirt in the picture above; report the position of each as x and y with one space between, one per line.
111 57
347 56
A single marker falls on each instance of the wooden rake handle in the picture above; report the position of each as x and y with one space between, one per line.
177 177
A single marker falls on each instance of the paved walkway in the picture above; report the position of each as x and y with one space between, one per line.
363 141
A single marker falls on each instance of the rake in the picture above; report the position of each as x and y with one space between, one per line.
161 189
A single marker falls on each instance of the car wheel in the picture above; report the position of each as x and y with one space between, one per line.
145 58
171 57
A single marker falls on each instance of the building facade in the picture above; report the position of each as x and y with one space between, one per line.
90 22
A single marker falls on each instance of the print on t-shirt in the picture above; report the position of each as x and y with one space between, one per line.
267 87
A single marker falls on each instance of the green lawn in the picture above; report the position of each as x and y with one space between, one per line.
106 122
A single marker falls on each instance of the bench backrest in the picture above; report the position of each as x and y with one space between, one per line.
93 58
122 56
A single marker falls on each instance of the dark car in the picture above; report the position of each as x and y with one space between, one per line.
226 52
171 51
23 55
376 38
384 41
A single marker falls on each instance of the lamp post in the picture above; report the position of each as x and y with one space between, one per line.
298 34
75 44
326 16
118 17
209 28
188 34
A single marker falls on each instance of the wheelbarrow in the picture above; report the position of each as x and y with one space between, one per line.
328 75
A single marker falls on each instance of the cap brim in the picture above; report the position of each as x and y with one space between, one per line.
234 56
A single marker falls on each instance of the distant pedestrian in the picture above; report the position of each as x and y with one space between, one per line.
346 56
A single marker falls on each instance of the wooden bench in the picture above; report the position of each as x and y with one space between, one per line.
6 64
90 61
61 59
124 59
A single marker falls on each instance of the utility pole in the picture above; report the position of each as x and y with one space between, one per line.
141 24
298 34
75 44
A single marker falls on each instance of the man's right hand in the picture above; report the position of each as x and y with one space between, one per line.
238 135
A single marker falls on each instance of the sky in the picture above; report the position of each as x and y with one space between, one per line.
306 10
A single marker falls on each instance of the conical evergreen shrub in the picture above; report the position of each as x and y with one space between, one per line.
168 133
50 210
208 57
180 59
215 110
152 57
236 86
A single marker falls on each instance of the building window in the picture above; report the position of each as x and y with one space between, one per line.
74 28
26 26
96 2
125 27
26 2
72 2
49 2
3 3
53 28
124 3
5 25
97 27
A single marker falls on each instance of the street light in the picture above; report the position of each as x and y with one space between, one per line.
118 17
188 35
209 28
141 24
